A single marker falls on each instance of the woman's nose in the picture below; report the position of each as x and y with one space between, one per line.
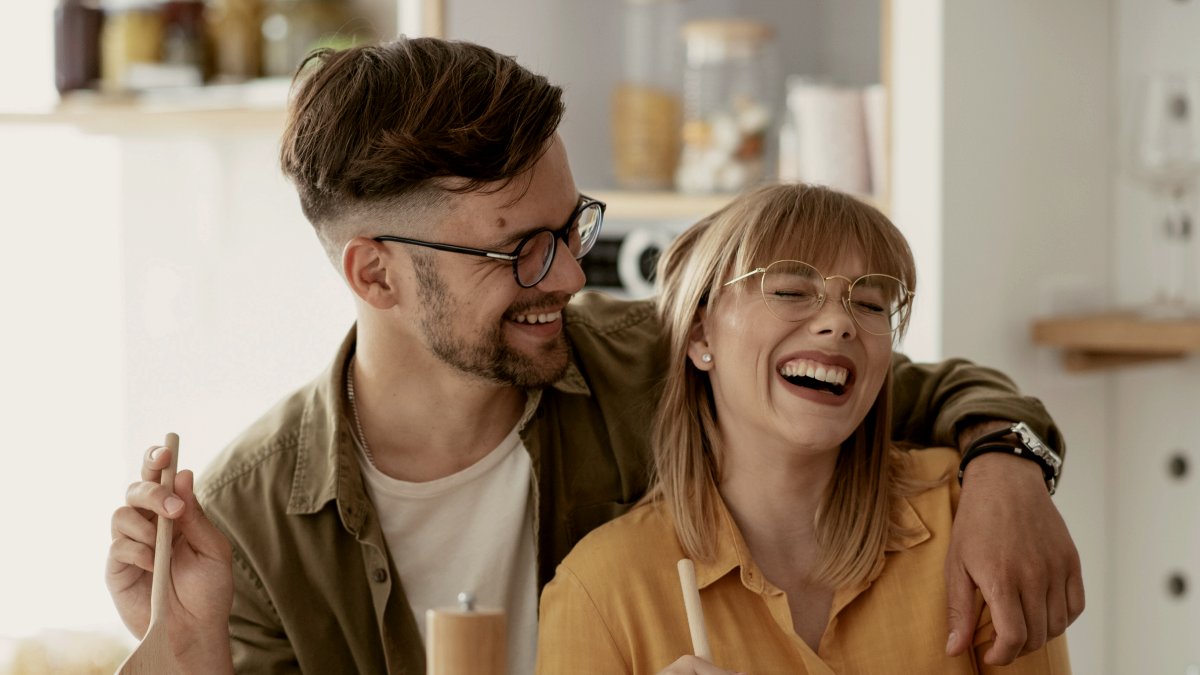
833 317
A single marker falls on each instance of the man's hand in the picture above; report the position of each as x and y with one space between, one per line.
202 577
1010 541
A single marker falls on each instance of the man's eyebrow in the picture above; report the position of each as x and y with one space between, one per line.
510 242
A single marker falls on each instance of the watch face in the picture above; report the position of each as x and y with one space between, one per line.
1037 446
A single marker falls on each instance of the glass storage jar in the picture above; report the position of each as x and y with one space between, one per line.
646 108
728 101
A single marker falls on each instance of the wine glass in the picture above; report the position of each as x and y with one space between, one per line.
1167 160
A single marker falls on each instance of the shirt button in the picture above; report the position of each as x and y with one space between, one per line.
380 575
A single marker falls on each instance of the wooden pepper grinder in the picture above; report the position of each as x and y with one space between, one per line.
466 640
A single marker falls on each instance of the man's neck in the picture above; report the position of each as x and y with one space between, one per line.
421 419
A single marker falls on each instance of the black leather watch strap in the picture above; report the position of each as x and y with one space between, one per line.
983 449
1006 440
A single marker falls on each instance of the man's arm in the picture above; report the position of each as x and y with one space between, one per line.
1009 540
944 404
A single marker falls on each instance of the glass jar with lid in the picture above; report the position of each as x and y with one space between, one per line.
729 96
646 102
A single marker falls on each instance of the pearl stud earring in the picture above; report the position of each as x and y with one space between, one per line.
707 358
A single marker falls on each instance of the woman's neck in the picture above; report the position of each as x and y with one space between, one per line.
774 497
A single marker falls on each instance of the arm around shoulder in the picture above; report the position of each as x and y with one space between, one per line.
933 402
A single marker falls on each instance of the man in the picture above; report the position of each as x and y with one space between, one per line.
473 426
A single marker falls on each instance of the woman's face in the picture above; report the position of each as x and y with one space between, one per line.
797 388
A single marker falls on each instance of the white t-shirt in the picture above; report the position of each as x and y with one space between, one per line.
470 531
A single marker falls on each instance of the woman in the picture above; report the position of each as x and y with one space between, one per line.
818 546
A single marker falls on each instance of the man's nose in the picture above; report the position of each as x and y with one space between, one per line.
565 274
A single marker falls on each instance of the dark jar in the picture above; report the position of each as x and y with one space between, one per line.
77 26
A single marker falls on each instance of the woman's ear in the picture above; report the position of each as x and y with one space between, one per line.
698 349
364 264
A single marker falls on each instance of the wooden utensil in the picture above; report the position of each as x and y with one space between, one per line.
466 640
153 656
695 613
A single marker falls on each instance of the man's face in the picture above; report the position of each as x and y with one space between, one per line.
473 314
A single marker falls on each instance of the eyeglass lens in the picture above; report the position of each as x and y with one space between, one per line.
794 291
536 253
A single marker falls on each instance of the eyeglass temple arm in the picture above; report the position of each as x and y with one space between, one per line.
757 270
507 257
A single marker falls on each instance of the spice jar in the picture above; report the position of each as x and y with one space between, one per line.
132 37
728 101
291 29
236 30
646 107
77 26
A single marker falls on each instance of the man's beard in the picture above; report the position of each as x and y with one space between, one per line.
487 356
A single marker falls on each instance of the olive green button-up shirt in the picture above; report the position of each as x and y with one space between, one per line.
315 589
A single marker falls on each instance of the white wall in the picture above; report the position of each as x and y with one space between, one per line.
1026 184
1002 130
1157 519
230 300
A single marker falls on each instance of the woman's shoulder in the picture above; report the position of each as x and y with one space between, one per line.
641 537
931 464
930 476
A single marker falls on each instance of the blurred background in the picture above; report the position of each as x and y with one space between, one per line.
1042 159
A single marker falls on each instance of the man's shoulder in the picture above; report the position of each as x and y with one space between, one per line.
263 453
600 314
617 343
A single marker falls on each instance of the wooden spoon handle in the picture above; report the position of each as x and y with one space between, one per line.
160 587
695 612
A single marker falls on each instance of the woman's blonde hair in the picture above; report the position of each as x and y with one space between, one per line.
790 221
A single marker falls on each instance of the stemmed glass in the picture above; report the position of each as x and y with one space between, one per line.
1167 160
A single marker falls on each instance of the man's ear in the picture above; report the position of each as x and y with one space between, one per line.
698 342
364 264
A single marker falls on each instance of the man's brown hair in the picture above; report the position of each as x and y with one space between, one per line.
384 126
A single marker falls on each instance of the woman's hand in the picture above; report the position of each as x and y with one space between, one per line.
201 594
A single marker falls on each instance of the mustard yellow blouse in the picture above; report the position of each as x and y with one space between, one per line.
615 605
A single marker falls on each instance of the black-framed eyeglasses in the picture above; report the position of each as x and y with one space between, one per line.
534 255
794 291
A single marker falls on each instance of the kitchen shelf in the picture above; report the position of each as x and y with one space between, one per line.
257 107
1100 341
251 107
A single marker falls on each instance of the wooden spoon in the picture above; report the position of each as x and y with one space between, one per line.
153 656
695 612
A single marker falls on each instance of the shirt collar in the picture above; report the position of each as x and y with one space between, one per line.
326 466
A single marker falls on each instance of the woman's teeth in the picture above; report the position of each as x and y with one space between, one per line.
821 372
538 318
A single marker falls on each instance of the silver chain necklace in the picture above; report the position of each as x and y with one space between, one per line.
358 428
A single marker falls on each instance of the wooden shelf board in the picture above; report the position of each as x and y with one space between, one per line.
665 205
256 106
1114 339
635 205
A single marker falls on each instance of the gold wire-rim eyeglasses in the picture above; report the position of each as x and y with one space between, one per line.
897 318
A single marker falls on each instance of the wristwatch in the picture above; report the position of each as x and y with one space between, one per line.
1027 445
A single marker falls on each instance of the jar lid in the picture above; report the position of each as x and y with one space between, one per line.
727 30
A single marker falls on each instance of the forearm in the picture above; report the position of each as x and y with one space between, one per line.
950 403
210 655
